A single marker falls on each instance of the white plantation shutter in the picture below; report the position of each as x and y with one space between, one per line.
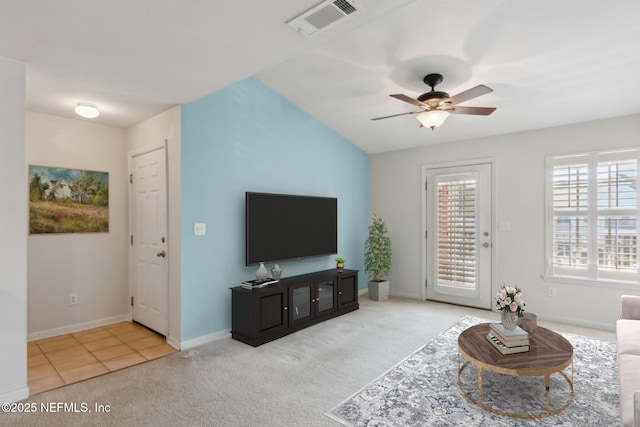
570 214
456 230
593 212
617 215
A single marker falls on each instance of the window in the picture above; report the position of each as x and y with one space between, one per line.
592 203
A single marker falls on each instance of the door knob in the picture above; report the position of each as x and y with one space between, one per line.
486 245
161 254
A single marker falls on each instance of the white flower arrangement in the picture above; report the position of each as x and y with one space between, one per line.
510 298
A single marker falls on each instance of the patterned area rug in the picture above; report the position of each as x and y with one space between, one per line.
422 390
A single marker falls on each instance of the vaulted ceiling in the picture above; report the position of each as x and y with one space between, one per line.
549 62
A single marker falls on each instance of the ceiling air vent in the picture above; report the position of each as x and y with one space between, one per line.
323 15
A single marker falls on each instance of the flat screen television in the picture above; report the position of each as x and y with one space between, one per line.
283 227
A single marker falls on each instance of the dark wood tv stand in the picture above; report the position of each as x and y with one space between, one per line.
265 314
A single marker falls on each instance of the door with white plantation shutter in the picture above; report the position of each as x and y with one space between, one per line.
459 235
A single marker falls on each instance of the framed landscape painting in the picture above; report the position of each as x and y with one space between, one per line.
68 200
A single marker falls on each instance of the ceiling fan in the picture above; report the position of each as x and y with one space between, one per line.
436 105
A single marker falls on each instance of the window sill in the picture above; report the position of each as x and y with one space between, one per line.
606 284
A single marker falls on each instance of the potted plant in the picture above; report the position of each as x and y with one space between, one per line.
340 264
377 259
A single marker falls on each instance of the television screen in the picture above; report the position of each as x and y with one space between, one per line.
281 227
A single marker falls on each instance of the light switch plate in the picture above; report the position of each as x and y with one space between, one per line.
199 229
504 226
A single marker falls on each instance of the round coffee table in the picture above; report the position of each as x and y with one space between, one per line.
549 352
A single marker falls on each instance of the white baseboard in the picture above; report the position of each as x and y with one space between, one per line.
15 395
173 342
577 322
76 327
406 295
194 342
393 294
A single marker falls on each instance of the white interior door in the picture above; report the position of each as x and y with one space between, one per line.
458 234
150 284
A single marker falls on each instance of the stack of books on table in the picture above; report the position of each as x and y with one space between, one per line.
508 341
257 284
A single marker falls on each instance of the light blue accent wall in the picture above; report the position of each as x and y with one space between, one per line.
246 137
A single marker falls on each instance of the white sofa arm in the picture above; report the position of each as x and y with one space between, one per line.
630 307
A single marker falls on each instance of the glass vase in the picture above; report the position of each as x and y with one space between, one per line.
509 319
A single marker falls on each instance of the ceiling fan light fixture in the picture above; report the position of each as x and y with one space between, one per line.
88 111
432 119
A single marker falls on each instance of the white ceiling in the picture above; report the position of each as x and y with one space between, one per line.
549 62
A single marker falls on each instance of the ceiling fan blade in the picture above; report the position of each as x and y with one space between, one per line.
475 111
474 92
408 99
396 115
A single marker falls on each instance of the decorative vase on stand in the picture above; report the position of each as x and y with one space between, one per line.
276 272
509 319
262 273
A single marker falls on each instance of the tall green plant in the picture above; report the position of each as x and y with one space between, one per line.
377 256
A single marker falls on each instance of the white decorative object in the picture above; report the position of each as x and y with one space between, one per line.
276 272
262 273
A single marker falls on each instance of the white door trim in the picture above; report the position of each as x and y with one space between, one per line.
423 205
145 150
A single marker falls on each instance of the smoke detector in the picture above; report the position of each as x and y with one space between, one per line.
323 16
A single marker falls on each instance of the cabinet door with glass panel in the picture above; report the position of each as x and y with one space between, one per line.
311 299
326 297
301 306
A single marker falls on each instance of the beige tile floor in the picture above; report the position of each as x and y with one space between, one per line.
66 359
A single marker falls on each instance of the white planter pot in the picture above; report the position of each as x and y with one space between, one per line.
379 291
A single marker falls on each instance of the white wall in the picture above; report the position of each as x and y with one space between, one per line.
92 265
152 132
396 190
13 229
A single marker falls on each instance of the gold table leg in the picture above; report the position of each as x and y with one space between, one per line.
462 364
547 384
480 384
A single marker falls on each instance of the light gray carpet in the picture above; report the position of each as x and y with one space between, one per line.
422 390
293 381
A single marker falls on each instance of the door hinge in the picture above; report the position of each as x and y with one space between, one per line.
426 234
425 185
131 301
130 178
132 240
426 283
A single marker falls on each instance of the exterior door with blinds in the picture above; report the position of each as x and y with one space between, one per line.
458 207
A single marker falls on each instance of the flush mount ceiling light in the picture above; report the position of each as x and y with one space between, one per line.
88 111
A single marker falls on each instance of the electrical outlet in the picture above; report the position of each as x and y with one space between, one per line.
552 291
73 299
